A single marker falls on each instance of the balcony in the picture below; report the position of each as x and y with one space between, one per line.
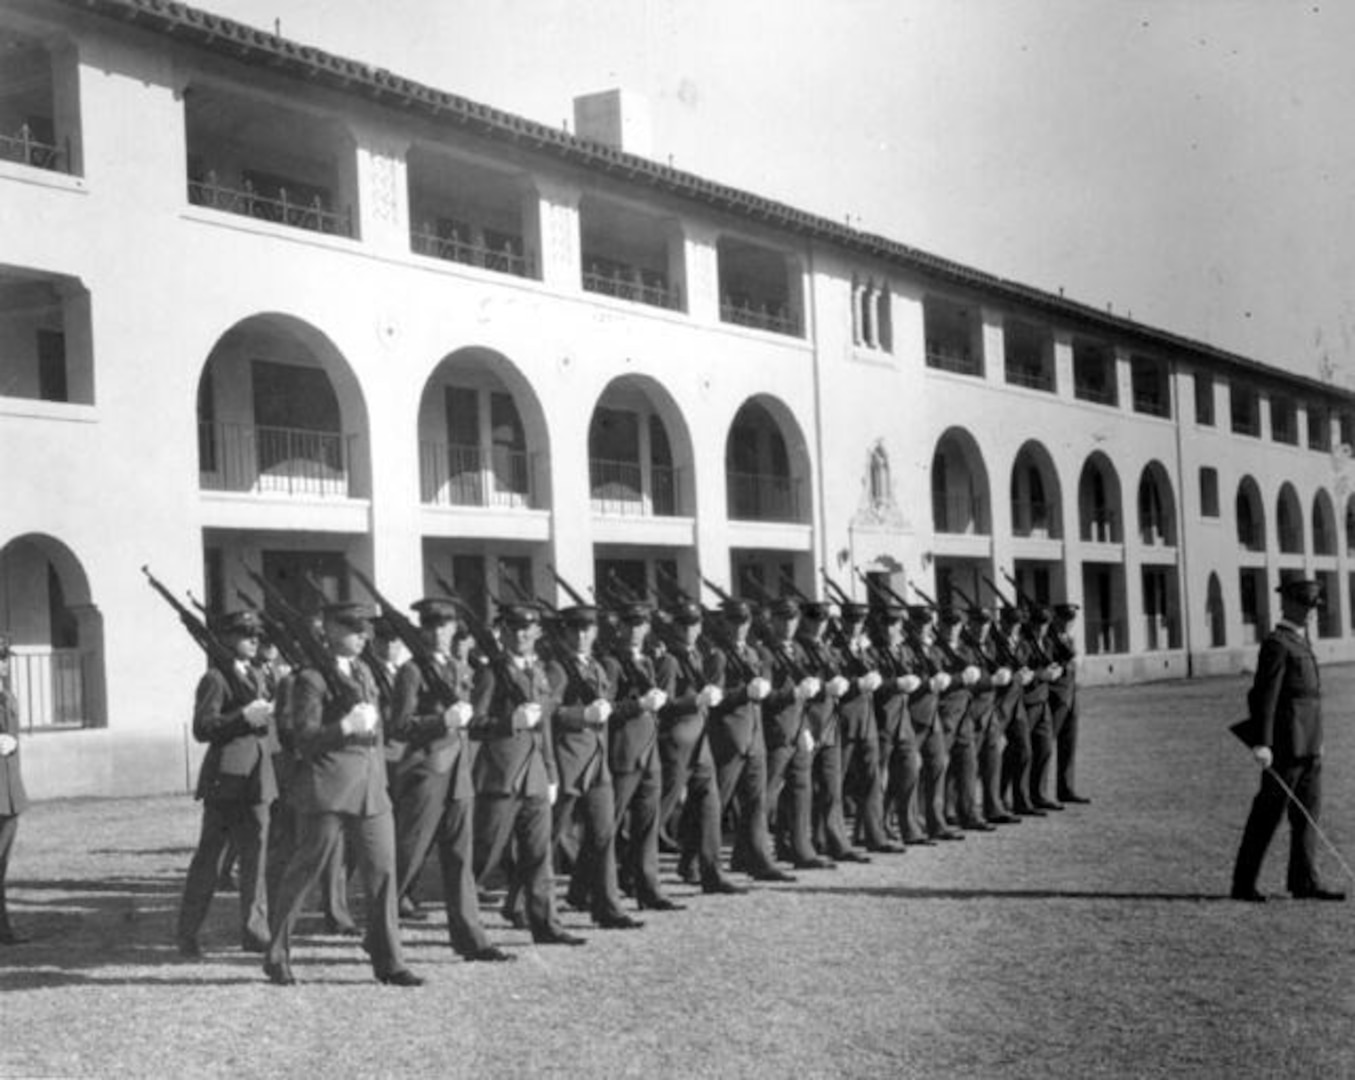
453 475
25 148
636 284
1152 405
281 209
1033 378
51 685
1094 392
1100 527
773 317
502 255
957 361
1034 518
273 460
762 497
957 513
759 287
619 487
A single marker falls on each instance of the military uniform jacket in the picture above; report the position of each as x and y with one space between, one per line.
580 748
856 711
1062 649
632 730
13 798
418 719
983 655
922 661
1010 697
336 773
1034 654
783 717
891 703
1286 697
238 767
513 759
822 661
735 725
682 674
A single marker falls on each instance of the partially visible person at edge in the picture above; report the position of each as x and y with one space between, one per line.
13 800
1285 735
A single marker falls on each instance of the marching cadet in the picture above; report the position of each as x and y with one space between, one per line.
859 734
734 729
790 745
340 790
514 772
431 788
232 715
966 670
13 799
924 709
1011 709
1036 701
584 693
633 754
900 760
1063 703
985 716
689 789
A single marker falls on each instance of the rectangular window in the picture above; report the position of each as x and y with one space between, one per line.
52 366
1204 399
1245 410
1284 425
1319 428
1209 492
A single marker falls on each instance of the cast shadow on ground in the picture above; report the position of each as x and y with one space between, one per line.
904 892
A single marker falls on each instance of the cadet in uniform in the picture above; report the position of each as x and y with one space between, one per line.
1036 700
13 800
1063 704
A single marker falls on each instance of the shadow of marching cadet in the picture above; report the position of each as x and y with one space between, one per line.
904 892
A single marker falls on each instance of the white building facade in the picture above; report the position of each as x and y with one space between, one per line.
266 309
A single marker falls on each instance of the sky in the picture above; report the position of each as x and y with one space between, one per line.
1186 163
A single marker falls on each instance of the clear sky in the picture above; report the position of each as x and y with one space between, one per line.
1189 162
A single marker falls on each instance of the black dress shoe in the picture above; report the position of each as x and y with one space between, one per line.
490 954
403 977
816 862
887 847
667 846
557 937
279 974
853 856
577 903
1069 797
947 834
920 841
1004 818
771 873
514 918
616 920
1317 892
412 912
189 948
253 944
978 826
1029 811
721 887
657 903
1250 896
1045 804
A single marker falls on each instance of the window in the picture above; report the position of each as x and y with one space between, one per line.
1204 399
870 315
1245 410
1152 395
1093 372
1284 425
1209 492
1319 428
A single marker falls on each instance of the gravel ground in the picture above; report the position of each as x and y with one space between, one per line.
1095 943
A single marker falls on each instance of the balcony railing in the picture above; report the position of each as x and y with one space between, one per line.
1101 395
632 287
618 487
773 317
955 361
245 201
453 475
1030 377
762 497
957 513
1100 527
1034 518
27 150
290 461
1246 425
1105 636
1159 632
1152 405
1153 533
502 260
51 686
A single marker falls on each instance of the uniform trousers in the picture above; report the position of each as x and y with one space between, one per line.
372 841
1064 724
1041 723
830 824
699 834
742 783
283 833
419 796
962 774
245 825
861 783
989 734
789 793
455 837
1016 758
1303 776
526 821
592 883
636 817
9 828
901 776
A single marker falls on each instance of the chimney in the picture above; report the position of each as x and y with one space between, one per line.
617 118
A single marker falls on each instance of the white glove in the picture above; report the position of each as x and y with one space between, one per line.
834 611
598 712
458 714
971 675
527 715
939 682
361 720
1052 672
257 714
1263 756
807 741
654 700
759 688
552 792
807 688
1002 677
909 683
869 682
710 696
837 686
8 744
1027 676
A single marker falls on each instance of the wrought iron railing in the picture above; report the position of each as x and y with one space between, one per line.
1153 532
455 475
1094 392
1032 516
633 288
290 461
959 363
1152 405
314 215
24 148
618 487
957 513
773 317
762 497
51 686
1030 377
1100 527
504 260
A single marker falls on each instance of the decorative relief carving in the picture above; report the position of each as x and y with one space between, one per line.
384 200
878 507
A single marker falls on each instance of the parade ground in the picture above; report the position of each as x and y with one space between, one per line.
1097 942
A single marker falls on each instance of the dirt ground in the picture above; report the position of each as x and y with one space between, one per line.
1098 942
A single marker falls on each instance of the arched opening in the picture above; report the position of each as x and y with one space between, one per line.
1036 497
1289 521
56 670
1157 514
766 464
1214 613
960 501
280 412
1324 524
1251 516
639 452
1350 525
1098 502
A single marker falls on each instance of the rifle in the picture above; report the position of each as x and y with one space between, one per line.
834 632
975 643
485 641
723 641
885 592
941 643
278 633
219 655
570 591
839 594
787 667
1030 605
